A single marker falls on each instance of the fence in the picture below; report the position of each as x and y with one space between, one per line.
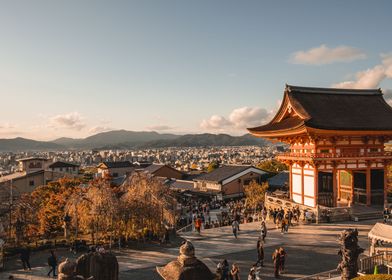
322 275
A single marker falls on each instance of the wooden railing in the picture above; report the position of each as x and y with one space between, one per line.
335 155
322 275
367 264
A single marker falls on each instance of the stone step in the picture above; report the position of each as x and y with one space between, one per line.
366 216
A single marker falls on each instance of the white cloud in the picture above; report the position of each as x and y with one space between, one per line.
160 127
99 129
372 77
6 126
73 121
325 55
247 116
214 122
238 119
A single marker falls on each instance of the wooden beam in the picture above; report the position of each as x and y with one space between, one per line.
368 185
334 186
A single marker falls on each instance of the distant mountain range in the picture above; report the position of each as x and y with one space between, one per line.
123 139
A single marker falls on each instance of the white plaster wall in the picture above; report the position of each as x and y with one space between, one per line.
309 202
297 183
297 198
309 186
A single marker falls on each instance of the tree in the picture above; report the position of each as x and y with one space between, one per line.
272 165
255 194
212 166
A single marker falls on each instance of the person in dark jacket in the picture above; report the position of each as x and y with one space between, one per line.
260 251
276 260
52 262
25 258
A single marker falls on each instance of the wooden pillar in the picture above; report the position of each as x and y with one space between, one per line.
302 184
352 186
338 183
315 185
385 184
368 186
334 186
291 181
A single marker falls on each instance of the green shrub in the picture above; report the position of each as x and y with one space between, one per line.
374 277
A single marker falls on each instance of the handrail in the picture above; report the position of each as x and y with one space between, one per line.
184 229
326 274
334 155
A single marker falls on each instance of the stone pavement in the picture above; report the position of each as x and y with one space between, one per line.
311 249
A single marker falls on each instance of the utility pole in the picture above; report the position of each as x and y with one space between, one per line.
10 221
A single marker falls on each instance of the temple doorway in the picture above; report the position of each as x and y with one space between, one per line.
359 187
325 189
377 186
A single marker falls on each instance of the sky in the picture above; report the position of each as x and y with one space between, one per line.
76 68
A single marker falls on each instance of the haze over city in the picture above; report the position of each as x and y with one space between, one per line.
76 68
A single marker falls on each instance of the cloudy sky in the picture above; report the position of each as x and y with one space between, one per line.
75 68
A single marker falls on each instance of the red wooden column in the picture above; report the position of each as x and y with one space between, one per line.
385 183
352 186
302 183
368 186
315 185
291 180
334 185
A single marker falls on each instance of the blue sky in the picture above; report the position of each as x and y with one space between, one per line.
74 68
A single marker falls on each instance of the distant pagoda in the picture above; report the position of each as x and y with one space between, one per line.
337 144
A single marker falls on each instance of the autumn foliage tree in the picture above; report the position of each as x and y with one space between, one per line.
255 194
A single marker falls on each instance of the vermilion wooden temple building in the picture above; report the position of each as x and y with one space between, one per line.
336 138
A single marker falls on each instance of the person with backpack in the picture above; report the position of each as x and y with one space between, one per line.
225 270
276 259
282 256
235 226
260 252
25 258
52 262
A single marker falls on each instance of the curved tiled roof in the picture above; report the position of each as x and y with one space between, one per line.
331 109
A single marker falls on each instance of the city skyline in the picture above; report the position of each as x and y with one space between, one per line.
73 69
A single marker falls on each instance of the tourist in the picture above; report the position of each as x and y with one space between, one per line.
252 272
282 256
234 226
276 260
260 251
235 272
263 232
198 224
225 270
25 258
283 226
386 215
52 262
286 224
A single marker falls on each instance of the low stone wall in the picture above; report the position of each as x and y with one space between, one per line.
321 214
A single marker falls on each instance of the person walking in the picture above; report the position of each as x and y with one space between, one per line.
235 272
234 226
276 260
260 251
283 226
282 256
252 273
25 258
263 232
52 262
198 225
225 270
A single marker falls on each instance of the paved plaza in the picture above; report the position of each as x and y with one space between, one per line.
310 248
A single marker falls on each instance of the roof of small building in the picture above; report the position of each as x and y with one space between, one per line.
279 179
62 164
116 164
182 185
32 158
224 172
329 109
154 167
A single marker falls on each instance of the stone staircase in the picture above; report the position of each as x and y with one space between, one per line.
360 213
